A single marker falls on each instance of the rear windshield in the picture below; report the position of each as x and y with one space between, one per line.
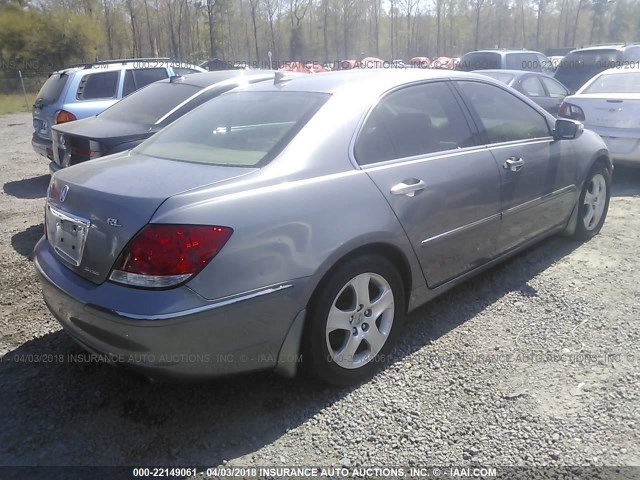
500 76
591 58
615 83
148 105
52 88
236 129
480 61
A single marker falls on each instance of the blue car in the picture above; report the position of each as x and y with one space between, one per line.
86 90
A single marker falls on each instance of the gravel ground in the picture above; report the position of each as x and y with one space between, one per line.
535 362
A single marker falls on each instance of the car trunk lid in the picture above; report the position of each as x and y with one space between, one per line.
90 138
609 110
44 107
94 209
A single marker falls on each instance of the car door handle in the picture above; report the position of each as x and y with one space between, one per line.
408 187
513 163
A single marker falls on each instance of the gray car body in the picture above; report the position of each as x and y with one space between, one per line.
294 220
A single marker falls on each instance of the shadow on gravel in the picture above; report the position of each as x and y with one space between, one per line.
29 188
626 182
24 242
69 410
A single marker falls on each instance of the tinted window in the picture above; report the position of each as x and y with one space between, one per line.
600 58
141 77
149 104
99 85
523 61
480 61
413 121
615 83
532 87
52 88
236 129
503 116
556 90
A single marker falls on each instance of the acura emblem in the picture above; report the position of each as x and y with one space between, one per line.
64 192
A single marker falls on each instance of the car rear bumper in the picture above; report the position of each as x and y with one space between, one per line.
228 336
42 146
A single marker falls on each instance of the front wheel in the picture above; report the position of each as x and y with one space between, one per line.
593 203
353 320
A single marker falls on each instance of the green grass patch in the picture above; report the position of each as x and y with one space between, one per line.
14 102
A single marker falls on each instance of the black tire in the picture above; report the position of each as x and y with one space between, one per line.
317 359
583 232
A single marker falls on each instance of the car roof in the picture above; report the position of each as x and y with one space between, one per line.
375 80
503 50
108 65
209 78
630 68
617 46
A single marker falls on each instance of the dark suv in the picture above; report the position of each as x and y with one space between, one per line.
503 59
582 64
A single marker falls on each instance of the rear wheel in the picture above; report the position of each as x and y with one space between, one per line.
353 320
593 203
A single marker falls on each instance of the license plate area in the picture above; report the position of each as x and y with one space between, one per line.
67 234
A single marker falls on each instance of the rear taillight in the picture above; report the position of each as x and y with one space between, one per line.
62 116
162 256
569 110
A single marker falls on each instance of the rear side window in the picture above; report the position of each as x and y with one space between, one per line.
52 88
149 104
503 117
137 78
532 87
245 129
480 61
98 85
415 120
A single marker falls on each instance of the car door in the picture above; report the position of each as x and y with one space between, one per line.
531 86
556 92
537 172
418 148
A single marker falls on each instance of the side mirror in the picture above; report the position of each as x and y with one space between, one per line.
567 129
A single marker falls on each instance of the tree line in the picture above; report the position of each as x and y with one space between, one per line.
50 34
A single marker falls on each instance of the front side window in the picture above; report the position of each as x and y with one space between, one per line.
98 85
415 120
503 117
245 129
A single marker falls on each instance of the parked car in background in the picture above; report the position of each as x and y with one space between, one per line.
85 90
308 214
609 104
542 89
578 66
142 114
445 63
503 59
419 62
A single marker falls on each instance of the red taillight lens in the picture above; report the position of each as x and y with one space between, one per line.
161 256
62 116
569 110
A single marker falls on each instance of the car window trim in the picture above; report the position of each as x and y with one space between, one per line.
477 121
472 127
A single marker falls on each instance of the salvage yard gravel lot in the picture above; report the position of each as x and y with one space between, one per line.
536 362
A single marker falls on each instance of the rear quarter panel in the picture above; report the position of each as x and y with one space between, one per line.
297 216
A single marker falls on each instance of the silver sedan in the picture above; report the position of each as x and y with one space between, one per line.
299 220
